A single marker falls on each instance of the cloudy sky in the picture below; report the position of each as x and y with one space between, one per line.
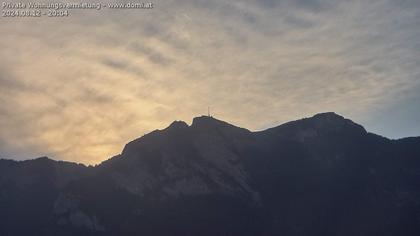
78 88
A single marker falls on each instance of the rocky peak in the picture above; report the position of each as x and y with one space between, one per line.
178 124
205 121
328 115
319 125
330 121
209 123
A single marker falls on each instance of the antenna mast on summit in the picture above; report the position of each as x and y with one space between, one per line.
208 112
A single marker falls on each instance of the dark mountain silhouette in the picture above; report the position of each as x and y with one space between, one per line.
323 175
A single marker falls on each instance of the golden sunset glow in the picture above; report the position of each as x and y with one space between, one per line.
79 88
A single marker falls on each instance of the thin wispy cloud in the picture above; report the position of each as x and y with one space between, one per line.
79 88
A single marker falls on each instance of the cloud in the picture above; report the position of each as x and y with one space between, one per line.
99 79
151 54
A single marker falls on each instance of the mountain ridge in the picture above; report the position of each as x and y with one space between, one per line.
183 124
323 175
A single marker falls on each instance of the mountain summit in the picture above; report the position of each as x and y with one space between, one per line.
323 175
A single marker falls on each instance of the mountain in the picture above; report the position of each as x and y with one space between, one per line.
323 175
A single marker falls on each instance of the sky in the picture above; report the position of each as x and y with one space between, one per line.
78 88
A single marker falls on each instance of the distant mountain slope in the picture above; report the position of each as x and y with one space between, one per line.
28 190
323 175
